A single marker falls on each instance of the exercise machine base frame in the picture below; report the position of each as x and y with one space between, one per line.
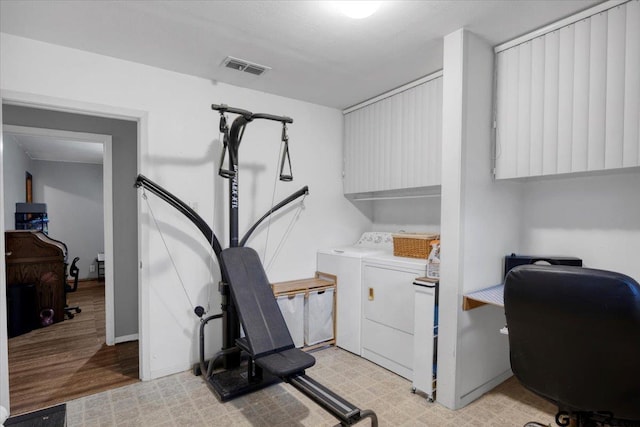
229 384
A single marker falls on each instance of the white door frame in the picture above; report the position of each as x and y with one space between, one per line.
79 107
4 353
107 206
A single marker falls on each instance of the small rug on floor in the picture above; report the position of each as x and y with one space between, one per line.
54 416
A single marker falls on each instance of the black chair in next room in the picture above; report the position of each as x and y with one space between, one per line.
574 339
74 271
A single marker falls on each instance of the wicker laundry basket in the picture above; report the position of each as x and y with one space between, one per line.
413 245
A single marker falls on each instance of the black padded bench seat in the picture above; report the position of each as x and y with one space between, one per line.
284 363
267 340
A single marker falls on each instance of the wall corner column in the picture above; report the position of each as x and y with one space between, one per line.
479 225
451 210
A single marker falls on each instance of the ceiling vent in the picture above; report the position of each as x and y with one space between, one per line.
246 66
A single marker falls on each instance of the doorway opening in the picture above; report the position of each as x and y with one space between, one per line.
117 339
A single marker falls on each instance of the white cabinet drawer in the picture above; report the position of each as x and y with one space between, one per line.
388 347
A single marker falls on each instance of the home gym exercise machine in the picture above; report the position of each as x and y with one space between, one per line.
266 354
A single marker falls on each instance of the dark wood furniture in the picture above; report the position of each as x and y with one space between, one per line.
33 257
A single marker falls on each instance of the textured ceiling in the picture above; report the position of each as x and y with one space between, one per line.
316 54
48 148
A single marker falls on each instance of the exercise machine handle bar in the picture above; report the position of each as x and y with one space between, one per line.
224 129
248 115
285 156
301 192
233 137
183 208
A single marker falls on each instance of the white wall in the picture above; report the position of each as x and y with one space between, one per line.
14 166
73 194
178 149
409 214
595 217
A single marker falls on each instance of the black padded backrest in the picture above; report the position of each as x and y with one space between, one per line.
574 337
261 318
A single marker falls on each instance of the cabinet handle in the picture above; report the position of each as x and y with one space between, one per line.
9 253
370 294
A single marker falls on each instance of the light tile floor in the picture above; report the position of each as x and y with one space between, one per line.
184 400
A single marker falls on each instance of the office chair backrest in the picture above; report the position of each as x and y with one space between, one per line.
74 272
574 337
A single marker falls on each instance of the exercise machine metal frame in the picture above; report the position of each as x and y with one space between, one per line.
234 379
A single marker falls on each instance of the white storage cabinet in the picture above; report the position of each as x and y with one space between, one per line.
569 100
395 142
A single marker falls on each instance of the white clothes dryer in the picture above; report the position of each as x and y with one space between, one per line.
388 310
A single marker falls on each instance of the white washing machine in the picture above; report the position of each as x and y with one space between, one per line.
346 264
388 310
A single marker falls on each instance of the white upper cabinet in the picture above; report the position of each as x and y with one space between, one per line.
394 143
568 100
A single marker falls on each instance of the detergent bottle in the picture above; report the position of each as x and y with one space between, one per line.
433 261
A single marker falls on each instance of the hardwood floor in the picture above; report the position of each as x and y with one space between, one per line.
69 359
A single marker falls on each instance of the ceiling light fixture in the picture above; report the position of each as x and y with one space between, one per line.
358 9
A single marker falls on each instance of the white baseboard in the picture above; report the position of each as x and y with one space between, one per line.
484 388
126 338
159 373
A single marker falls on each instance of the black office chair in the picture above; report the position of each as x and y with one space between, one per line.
74 271
574 339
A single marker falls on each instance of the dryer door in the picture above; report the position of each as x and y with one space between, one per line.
389 297
388 311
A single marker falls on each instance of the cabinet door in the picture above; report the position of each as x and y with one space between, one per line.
569 101
395 143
